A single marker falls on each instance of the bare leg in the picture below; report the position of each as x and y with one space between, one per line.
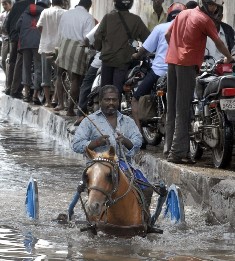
59 91
47 96
35 94
74 93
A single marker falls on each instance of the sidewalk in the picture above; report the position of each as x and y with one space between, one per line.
200 184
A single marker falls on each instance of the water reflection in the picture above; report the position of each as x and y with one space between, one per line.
27 152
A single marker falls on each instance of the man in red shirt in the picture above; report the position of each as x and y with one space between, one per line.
187 40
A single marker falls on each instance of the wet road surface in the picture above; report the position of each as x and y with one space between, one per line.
26 152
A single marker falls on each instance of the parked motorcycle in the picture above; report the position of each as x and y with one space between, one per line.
213 114
153 128
134 79
134 76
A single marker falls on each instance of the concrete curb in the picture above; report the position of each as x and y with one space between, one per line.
213 190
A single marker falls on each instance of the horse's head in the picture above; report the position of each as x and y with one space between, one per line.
101 178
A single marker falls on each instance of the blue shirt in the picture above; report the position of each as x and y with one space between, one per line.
156 42
86 132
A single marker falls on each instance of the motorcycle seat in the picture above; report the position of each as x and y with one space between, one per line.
201 84
217 84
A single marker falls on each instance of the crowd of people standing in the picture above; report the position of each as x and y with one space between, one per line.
32 32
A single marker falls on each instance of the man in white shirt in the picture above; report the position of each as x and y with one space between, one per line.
88 80
159 14
75 24
223 35
49 22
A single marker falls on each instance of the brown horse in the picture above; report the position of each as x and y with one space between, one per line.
114 204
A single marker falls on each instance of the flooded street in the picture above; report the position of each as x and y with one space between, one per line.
26 152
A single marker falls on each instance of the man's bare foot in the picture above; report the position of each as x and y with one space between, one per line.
47 104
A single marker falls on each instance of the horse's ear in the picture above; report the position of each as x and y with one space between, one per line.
90 153
112 153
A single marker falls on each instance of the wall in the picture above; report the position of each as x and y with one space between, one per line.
140 7
229 12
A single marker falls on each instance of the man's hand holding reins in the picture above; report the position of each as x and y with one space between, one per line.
101 141
123 140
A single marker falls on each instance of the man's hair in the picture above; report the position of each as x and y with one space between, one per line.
85 3
107 88
7 1
57 2
191 4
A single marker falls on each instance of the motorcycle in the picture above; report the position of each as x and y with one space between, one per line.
134 76
213 114
153 128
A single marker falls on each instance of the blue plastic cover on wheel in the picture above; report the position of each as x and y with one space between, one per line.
31 201
174 205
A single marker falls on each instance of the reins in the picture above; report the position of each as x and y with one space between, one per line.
110 201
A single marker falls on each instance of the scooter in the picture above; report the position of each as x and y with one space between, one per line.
213 114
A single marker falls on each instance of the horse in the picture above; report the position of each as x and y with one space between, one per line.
115 204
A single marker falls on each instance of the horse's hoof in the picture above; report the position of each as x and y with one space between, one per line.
154 230
62 219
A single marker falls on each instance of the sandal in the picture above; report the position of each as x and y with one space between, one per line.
54 104
36 101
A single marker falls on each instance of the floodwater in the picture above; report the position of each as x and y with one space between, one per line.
26 152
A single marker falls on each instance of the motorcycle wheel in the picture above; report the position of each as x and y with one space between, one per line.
196 151
151 136
222 154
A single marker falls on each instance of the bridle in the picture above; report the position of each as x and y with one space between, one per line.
114 170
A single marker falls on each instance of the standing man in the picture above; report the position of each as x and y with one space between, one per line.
159 14
89 78
48 23
74 25
114 38
14 85
187 41
29 38
7 5
156 42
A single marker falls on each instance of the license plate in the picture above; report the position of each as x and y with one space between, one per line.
227 104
